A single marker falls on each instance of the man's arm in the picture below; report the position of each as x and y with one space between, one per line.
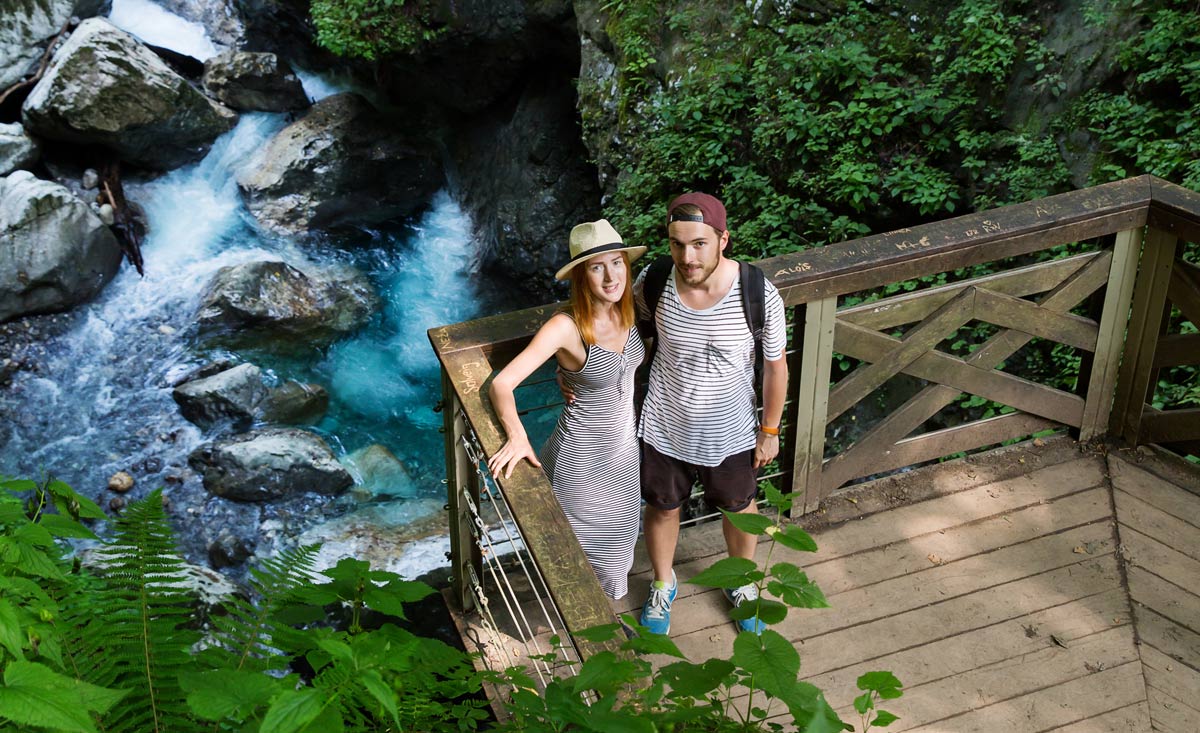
774 389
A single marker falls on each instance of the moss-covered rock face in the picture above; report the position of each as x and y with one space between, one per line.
105 87
54 252
29 24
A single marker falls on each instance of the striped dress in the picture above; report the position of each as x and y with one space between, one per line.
592 460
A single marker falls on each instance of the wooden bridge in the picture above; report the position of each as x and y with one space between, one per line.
1050 585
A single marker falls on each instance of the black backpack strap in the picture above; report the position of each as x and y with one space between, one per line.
754 289
652 289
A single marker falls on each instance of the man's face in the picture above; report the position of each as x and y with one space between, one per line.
697 249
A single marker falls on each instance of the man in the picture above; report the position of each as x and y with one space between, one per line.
698 418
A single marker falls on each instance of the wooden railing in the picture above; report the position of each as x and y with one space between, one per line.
1112 304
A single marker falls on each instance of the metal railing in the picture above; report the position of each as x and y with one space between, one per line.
1113 302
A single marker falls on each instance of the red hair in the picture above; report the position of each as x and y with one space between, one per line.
582 302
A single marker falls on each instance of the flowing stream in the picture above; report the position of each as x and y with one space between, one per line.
103 401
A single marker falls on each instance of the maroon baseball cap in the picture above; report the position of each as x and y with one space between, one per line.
712 211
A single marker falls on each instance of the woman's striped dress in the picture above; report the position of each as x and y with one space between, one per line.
592 459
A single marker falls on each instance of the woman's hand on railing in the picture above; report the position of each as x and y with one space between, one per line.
510 454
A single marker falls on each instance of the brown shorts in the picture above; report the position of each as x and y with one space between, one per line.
667 482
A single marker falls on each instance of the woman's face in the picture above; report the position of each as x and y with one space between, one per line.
606 276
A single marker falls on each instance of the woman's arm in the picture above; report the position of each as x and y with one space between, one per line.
552 336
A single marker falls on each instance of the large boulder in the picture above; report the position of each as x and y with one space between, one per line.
295 403
29 24
548 185
54 251
17 149
232 395
264 299
105 87
253 81
342 163
269 464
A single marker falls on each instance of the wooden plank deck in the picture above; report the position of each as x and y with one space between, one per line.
1035 588
998 596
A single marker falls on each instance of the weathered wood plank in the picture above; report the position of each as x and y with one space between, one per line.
1052 707
544 527
961 374
813 399
1134 717
1021 315
1170 426
1010 639
1166 562
1149 298
1154 522
1184 292
873 261
1174 209
1177 349
1171 715
461 484
1164 673
893 632
1166 599
944 322
1175 641
947 441
1110 341
1155 491
1018 282
1010 678
929 401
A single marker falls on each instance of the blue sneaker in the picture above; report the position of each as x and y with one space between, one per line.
656 614
746 594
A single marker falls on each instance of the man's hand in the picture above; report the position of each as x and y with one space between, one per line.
568 395
766 448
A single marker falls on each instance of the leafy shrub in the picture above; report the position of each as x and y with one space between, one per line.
372 29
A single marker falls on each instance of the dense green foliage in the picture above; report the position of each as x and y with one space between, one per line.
372 29
117 645
818 123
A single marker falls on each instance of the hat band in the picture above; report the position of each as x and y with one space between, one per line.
597 250
686 217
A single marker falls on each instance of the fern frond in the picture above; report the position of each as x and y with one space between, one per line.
242 638
137 637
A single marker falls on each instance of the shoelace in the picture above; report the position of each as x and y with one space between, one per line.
659 603
745 593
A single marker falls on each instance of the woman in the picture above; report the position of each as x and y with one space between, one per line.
591 457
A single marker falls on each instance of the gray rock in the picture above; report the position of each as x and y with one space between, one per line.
233 395
269 464
90 179
17 149
264 299
105 87
295 403
253 81
548 186
379 474
29 24
54 251
342 163
228 550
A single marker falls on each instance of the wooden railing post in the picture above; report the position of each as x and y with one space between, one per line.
812 399
461 481
1145 324
1114 318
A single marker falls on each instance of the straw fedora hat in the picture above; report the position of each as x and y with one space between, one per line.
593 238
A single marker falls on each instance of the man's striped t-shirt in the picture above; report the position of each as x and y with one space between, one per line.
699 407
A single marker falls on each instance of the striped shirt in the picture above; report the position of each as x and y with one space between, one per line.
700 407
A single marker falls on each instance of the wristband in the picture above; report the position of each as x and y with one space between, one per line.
768 431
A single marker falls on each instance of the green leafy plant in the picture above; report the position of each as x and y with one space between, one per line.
373 29
624 692
116 644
